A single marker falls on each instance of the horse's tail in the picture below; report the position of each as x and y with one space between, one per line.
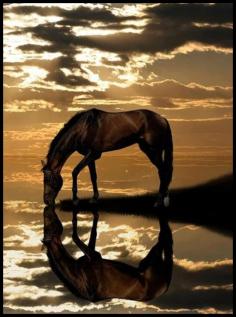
168 153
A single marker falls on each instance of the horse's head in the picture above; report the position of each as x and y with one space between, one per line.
53 228
52 185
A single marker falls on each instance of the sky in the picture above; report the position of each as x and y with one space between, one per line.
172 58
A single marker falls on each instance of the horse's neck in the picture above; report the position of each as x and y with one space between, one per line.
58 251
67 269
61 259
59 156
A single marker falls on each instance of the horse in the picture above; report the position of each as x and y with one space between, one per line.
93 132
94 278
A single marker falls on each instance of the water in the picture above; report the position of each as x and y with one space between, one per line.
202 274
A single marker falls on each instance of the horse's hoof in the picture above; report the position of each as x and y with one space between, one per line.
76 202
94 255
157 204
166 201
93 201
162 202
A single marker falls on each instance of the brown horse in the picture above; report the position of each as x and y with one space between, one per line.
94 278
93 132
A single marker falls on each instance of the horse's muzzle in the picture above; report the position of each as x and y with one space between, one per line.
48 200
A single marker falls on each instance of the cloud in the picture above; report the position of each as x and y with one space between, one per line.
59 99
172 89
106 62
203 265
44 133
162 41
67 61
29 9
96 14
59 77
83 12
187 13
163 102
22 206
29 105
157 37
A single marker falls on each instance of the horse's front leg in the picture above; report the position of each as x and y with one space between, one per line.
89 250
85 161
80 244
93 175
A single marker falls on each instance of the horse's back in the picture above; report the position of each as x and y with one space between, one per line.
116 130
134 118
108 131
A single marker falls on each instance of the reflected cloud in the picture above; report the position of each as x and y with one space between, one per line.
213 287
33 292
202 265
22 206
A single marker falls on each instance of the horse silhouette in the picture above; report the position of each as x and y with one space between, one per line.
94 278
95 131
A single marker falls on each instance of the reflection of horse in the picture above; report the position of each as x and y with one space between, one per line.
94 131
94 278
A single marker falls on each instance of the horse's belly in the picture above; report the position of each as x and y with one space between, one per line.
119 144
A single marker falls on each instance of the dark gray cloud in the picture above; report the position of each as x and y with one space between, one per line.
29 9
67 61
53 34
217 13
60 78
95 14
38 48
61 39
160 39
54 68
122 62
73 16
163 33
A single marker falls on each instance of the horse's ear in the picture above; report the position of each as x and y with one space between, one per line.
43 164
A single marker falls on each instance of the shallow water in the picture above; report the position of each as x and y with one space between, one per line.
202 274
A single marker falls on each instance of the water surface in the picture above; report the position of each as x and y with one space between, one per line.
202 274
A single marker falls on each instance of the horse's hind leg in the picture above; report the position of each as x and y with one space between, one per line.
164 183
93 176
155 156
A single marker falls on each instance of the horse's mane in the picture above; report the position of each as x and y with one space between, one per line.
63 130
